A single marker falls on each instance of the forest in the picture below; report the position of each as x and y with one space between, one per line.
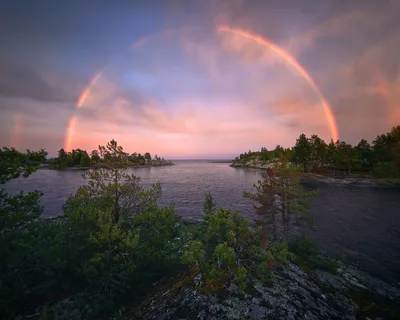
381 158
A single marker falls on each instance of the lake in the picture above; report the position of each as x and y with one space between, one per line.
361 222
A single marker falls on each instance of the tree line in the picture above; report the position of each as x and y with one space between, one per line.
81 158
381 158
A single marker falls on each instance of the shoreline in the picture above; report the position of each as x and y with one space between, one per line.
330 178
48 167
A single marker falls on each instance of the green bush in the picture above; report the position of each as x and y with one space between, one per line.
308 255
386 170
226 249
30 254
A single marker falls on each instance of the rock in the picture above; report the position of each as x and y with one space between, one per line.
256 311
294 295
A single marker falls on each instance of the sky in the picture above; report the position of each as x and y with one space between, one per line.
191 79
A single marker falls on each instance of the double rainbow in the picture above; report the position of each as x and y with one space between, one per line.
287 57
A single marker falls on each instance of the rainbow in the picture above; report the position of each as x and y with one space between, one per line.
83 97
287 57
70 134
18 125
291 61
81 100
85 93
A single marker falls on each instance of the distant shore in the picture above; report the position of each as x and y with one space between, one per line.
162 164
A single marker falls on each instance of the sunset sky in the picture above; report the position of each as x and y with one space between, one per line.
196 79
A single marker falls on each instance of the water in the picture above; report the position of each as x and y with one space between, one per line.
363 223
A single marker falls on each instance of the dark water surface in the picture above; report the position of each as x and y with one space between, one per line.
361 222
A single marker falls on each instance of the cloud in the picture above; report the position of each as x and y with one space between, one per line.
29 124
344 24
370 89
195 91
21 80
249 99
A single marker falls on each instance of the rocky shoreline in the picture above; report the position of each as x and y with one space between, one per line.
349 294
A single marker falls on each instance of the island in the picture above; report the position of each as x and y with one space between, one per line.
79 159
336 161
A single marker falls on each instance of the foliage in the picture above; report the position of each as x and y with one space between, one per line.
209 205
95 157
101 158
381 158
386 170
194 255
265 196
226 250
14 164
347 155
147 157
21 238
264 155
223 254
319 150
75 158
105 185
302 151
280 194
240 276
308 255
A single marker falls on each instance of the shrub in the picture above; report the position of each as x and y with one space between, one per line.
308 255
226 249
386 170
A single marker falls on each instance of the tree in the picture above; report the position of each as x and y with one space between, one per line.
365 154
293 197
318 149
265 197
84 159
278 152
302 151
115 159
95 158
348 155
264 154
117 190
141 159
333 154
386 149
147 157
18 215
75 158
133 157
280 192
14 164
209 205
62 156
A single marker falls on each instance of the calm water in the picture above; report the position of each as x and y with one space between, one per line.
363 223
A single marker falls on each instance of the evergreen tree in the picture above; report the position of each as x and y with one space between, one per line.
302 151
